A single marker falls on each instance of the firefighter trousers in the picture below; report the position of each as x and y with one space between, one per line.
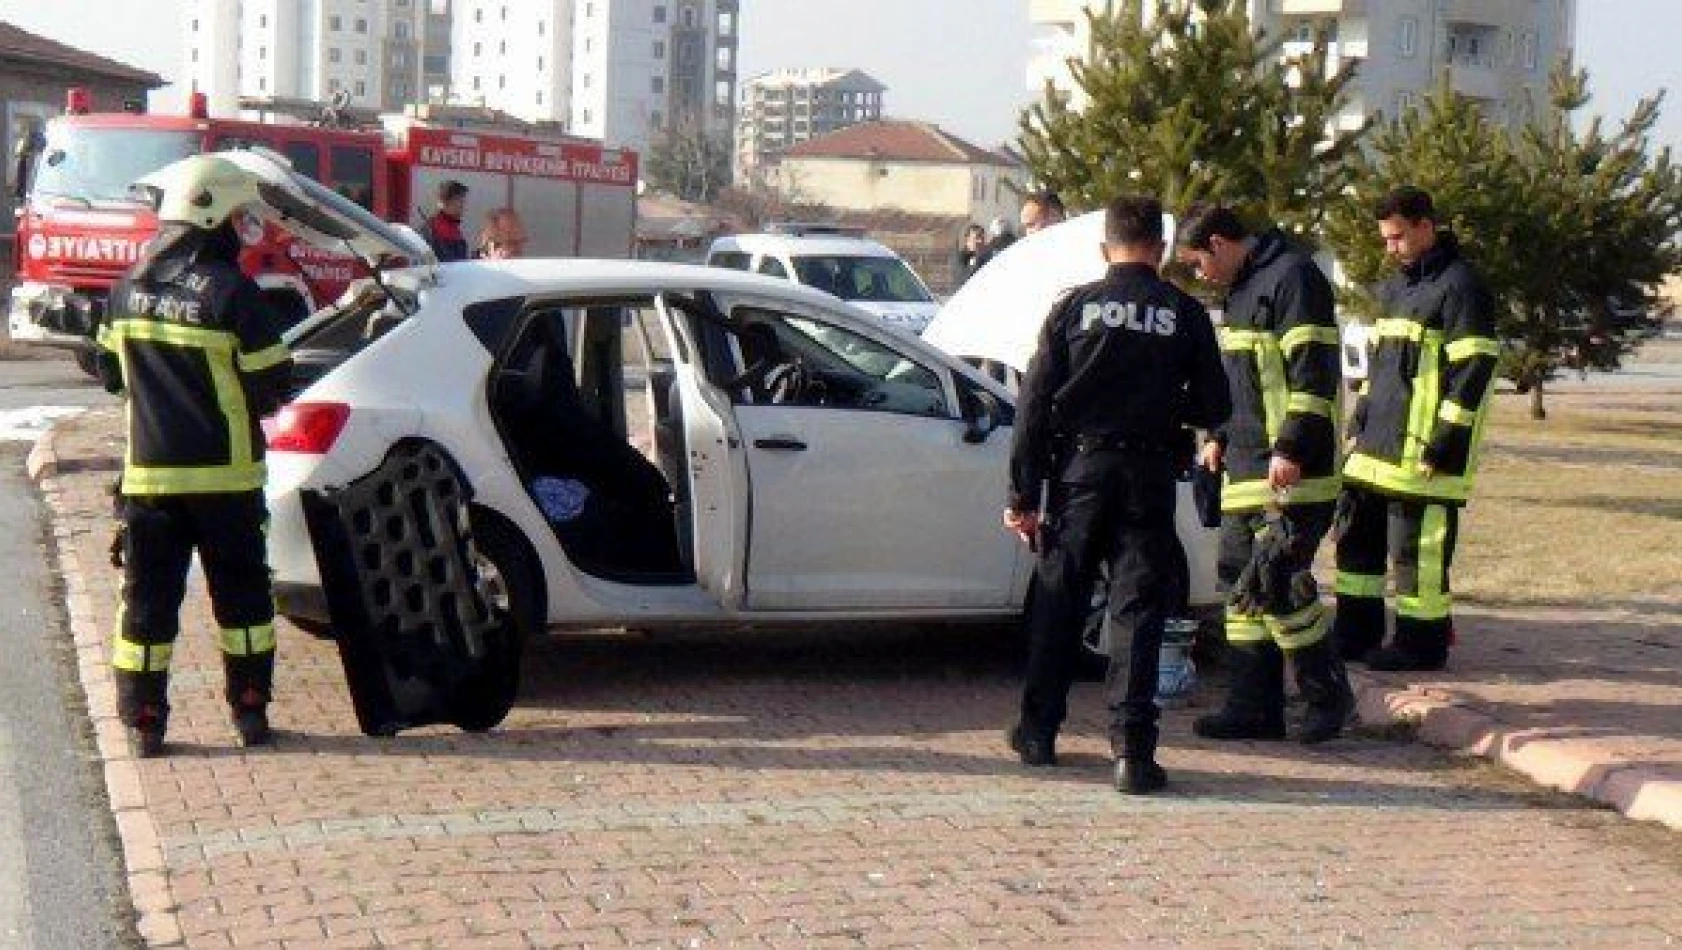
1117 508
1290 626
162 532
1418 537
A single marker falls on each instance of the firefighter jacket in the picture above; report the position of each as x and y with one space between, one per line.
1126 362
200 357
1279 344
1429 380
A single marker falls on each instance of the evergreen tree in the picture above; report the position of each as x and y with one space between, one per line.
1190 103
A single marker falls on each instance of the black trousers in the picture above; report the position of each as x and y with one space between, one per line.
1114 508
1418 538
162 533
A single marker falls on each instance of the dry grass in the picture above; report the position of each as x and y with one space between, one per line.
1583 507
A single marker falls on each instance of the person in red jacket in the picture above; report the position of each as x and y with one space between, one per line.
443 229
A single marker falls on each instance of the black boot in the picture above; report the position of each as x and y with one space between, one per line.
250 683
1033 748
1255 697
1136 771
1420 646
1326 694
1358 627
143 707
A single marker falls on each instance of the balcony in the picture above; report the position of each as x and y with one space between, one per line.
1474 79
1486 12
1322 7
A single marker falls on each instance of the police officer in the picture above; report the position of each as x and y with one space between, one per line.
1123 364
1416 429
199 355
1279 343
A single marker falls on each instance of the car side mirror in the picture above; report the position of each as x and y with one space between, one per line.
981 417
23 166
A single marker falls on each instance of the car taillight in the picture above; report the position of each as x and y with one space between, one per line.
309 428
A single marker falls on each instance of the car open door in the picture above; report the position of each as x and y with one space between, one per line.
419 636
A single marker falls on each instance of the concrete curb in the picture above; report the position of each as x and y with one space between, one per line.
1556 758
143 858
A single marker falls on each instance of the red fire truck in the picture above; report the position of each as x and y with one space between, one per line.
79 227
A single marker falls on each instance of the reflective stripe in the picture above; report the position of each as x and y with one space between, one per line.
1239 341
264 358
1275 388
141 480
1453 413
1302 336
1431 600
156 331
1465 349
1255 494
1396 328
1351 584
1364 469
1308 402
1245 628
1304 628
1422 405
132 657
248 641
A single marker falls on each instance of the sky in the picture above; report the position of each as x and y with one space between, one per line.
958 63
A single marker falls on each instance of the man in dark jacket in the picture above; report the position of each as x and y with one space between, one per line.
1279 342
443 229
1123 364
1416 431
198 353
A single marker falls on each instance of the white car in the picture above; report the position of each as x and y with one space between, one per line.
838 261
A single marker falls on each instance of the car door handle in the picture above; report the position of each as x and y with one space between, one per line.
780 443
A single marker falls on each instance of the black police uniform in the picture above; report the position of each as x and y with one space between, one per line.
199 354
1425 401
1279 343
1123 365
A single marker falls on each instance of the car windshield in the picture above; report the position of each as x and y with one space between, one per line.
98 165
869 279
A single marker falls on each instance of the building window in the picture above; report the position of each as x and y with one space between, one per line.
262 84
586 80
361 25
195 26
335 24
586 115
361 88
589 44
478 49
502 82
724 58
540 64
475 83
401 29
657 84
332 85
361 57
689 17
1409 36
656 120
659 13
399 58
721 92
589 10
726 24
478 15
333 54
540 97
1529 50
195 54
263 19
505 14
262 52
541 26
502 48
659 49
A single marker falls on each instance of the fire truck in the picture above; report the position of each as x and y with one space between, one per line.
80 227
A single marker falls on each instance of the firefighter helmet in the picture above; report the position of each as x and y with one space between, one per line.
201 190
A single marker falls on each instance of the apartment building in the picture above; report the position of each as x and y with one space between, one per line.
1497 52
370 50
513 55
781 109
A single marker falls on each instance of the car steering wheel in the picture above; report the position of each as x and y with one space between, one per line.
787 382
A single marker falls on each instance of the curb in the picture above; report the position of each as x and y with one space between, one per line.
1643 791
143 858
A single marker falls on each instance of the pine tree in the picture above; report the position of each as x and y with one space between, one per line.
1192 104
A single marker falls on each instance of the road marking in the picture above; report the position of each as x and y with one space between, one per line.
31 422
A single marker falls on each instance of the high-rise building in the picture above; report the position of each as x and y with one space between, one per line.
781 109
514 56
1497 52
370 50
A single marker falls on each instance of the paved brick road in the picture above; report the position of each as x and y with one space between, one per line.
813 792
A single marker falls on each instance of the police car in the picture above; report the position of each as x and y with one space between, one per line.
837 260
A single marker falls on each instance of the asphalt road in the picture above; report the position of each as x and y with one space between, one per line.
61 877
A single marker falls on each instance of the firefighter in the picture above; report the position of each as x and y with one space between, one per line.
442 229
1279 343
1122 365
1415 434
199 355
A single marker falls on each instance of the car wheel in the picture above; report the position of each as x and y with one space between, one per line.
513 584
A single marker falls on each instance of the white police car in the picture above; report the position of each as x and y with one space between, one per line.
838 261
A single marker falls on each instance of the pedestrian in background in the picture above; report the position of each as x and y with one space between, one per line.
442 229
1279 344
1415 433
972 252
1041 210
502 237
1123 364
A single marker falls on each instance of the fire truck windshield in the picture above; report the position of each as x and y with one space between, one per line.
98 165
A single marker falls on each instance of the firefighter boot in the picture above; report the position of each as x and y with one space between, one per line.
1420 646
1255 698
143 707
1358 627
1035 749
250 682
1136 771
1326 694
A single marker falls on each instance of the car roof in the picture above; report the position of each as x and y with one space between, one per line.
799 245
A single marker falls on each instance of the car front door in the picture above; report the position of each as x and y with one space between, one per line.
866 487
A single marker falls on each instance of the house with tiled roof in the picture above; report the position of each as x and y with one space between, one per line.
902 165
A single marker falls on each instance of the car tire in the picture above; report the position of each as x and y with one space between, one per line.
508 571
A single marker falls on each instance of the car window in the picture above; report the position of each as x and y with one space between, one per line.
352 173
771 266
871 279
734 260
305 158
836 367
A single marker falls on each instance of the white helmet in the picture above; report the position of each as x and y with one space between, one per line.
201 190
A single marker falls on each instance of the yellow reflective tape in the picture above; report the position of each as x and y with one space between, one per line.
1430 601
1297 337
1275 389
1302 629
156 331
132 657
1422 405
1395 328
1364 469
209 479
264 358
1351 584
1465 349
1308 402
248 641
1239 340
1255 494
1453 413
1245 628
